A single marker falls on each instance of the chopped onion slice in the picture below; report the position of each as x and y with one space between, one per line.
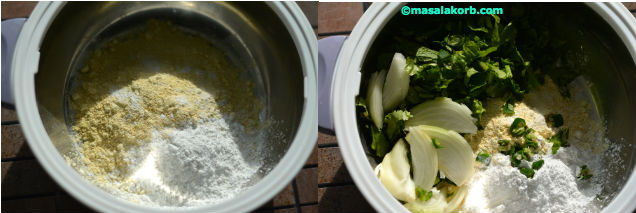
396 85
374 98
444 113
456 159
424 158
394 173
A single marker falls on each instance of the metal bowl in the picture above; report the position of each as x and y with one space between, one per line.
606 29
272 42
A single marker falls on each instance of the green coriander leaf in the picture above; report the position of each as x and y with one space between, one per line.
537 164
478 110
426 55
436 143
395 124
518 127
483 157
509 107
379 142
555 120
528 172
412 67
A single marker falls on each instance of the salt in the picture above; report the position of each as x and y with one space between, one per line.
554 188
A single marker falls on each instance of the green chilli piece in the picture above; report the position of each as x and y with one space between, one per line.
518 127
483 157
436 143
537 164
509 107
528 172
585 173
422 194
504 146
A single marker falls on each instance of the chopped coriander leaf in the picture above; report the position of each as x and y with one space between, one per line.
518 127
436 143
555 120
528 172
395 124
537 164
379 142
483 157
422 194
509 107
585 173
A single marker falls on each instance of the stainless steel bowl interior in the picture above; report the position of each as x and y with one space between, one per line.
610 69
250 33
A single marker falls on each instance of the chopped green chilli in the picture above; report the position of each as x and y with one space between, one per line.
509 107
436 143
515 159
518 127
537 164
422 194
528 172
585 173
483 157
560 139
504 145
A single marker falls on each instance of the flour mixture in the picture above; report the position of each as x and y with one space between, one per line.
557 186
161 117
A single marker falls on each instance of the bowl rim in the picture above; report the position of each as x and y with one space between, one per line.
346 85
25 66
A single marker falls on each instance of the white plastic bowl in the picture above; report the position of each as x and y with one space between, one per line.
25 65
346 84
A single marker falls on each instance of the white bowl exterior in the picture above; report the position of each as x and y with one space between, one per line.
25 65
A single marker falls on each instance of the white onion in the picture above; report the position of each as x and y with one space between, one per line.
396 85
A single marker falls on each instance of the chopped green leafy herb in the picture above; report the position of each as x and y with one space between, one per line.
483 157
518 127
379 142
395 124
528 172
422 194
585 173
436 143
555 120
537 164
509 107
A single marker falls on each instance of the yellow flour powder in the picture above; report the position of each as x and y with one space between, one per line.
539 102
155 79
